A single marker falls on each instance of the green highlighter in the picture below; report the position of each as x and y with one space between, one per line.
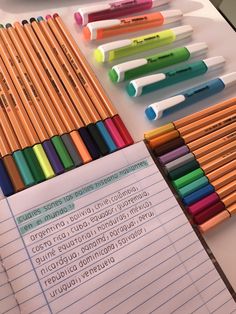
151 83
140 67
129 47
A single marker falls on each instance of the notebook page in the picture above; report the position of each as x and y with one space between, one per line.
108 237
8 302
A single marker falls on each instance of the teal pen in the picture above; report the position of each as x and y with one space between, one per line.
182 73
140 67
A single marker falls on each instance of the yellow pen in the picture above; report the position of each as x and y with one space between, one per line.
127 47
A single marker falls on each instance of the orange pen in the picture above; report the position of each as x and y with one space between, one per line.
60 108
110 28
116 122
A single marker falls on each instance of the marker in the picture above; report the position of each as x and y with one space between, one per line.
128 47
93 102
49 114
140 67
224 215
188 97
188 121
115 122
104 10
215 209
203 135
148 84
62 114
109 28
25 90
10 178
197 204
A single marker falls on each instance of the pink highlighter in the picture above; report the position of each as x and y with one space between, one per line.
105 11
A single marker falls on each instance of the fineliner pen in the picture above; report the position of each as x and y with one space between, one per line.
140 67
188 97
114 124
106 10
109 28
49 115
94 102
31 101
128 47
151 83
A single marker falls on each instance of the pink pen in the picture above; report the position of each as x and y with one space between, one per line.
105 11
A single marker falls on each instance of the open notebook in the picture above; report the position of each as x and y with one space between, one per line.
108 237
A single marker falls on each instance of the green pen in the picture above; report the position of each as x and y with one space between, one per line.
151 83
140 67
129 47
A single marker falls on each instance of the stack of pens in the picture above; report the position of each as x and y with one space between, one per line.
198 154
54 114
99 23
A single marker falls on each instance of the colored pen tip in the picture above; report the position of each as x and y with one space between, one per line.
40 18
55 15
1 26
24 22
48 17
32 19
8 25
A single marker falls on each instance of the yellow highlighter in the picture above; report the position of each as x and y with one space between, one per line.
128 47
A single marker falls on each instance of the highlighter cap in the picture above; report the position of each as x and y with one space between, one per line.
121 68
182 32
214 63
81 16
135 87
155 111
171 16
197 49
158 3
228 79
90 31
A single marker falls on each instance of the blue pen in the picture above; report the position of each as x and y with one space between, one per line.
190 96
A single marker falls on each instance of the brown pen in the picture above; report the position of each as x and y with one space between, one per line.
10 164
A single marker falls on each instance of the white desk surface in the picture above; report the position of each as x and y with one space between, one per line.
209 26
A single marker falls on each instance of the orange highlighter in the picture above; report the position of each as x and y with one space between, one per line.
109 28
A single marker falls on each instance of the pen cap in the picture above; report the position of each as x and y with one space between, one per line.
138 84
90 31
214 63
182 32
228 79
171 16
197 49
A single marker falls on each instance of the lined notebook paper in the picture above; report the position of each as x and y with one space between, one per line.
108 237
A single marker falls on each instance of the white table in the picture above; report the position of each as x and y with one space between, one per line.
209 26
